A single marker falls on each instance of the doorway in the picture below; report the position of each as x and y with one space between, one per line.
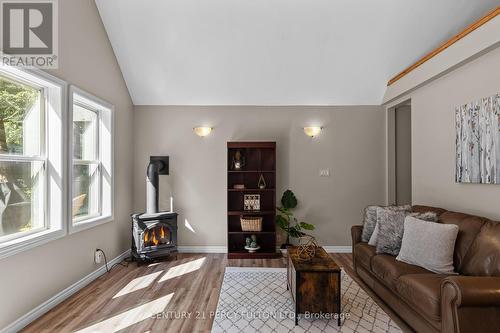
400 173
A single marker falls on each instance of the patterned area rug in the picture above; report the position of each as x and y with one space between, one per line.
256 300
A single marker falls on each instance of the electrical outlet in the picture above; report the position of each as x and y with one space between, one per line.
324 172
97 257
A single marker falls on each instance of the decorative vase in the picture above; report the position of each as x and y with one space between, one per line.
238 160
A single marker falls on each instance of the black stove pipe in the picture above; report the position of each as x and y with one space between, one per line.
152 187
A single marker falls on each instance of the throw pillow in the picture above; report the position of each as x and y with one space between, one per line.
391 228
370 219
391 224
426 216
374 237
429 245
369 223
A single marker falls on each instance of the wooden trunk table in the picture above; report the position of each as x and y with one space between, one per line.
314 284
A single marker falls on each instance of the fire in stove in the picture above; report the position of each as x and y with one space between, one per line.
156 236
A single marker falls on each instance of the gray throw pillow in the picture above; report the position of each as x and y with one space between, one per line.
374 237
426 216
390 230
369 222
429 245
370 219
390 225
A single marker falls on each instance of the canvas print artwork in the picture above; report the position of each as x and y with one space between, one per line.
251 202
478 141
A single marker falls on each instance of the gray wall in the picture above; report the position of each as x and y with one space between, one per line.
433 137
351 145
86 60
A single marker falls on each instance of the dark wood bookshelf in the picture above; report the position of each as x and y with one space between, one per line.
256 255
250 189
250 171
251 232
247 212
260 159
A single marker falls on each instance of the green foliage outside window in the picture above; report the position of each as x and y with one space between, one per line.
16 179
15 100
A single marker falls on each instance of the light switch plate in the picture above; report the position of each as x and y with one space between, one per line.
324 172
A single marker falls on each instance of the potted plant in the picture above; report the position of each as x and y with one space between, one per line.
288 222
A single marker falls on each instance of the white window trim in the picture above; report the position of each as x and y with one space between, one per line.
56 168
107 215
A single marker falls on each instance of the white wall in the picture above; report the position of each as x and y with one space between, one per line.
351 146
86 60
433 137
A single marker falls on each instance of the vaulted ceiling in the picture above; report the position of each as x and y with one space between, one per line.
275 52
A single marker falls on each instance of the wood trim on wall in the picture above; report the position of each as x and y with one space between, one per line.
488 17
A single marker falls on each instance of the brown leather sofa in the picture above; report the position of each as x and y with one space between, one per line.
429 302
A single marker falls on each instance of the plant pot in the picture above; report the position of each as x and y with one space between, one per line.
283 249
252 249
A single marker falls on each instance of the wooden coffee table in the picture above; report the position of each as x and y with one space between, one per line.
314 284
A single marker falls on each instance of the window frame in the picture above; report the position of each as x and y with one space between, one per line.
53 156
40 157
105 118
89 163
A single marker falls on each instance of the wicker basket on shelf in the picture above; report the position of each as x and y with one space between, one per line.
251 223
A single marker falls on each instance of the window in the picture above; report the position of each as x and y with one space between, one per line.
31 163
86 164
92 156
22 159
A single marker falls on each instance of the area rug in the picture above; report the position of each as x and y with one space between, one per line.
256 300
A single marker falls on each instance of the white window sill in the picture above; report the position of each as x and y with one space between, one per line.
21 244
89 223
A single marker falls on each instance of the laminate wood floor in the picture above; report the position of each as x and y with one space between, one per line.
187 289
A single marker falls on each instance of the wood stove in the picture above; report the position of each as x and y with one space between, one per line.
154 233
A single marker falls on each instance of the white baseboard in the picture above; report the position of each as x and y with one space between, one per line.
202 249
338 249
37 312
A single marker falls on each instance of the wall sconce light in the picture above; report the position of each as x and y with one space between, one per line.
312 131
202 131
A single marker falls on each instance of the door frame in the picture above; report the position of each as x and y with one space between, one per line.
391 190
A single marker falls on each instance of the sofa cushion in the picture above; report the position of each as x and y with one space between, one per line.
483 257
388 270
364 254
468 228
422 291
